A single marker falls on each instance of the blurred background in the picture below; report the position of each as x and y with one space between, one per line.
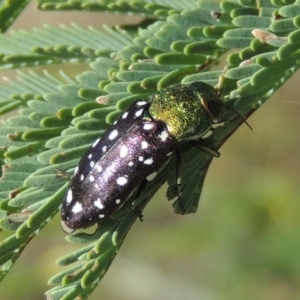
244 241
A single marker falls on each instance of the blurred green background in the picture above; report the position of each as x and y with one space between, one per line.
244 241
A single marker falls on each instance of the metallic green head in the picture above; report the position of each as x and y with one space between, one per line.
188 110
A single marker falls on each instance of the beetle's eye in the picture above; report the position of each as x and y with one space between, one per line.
215 110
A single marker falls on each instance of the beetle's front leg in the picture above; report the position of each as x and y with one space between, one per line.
204 146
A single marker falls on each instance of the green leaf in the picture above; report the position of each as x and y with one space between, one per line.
9 11
57 45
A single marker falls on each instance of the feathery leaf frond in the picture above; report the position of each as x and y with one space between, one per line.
59 117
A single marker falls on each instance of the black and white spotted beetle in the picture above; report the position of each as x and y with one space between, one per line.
135 148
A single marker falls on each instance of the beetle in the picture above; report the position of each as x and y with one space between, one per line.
136 148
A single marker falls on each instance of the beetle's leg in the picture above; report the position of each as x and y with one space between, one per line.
138 193
179 189
175 190
62 174
202 145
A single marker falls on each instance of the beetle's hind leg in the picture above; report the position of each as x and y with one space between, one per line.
59 173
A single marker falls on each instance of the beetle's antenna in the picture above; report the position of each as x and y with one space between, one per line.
244 120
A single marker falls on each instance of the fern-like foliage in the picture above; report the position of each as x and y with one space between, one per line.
59 117
9 11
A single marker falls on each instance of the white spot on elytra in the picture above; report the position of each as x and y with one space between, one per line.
118 201
163 136
99 168
124 116
141 103
122 180
130 164
148 126
98 203
144 145
92 164
90 156
138 113
77 208
113 134
123 151
151 176
148 161
104 148
92 178
141 158
101 216
81 177
96 142
69 196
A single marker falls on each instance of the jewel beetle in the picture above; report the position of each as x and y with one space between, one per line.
136 147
